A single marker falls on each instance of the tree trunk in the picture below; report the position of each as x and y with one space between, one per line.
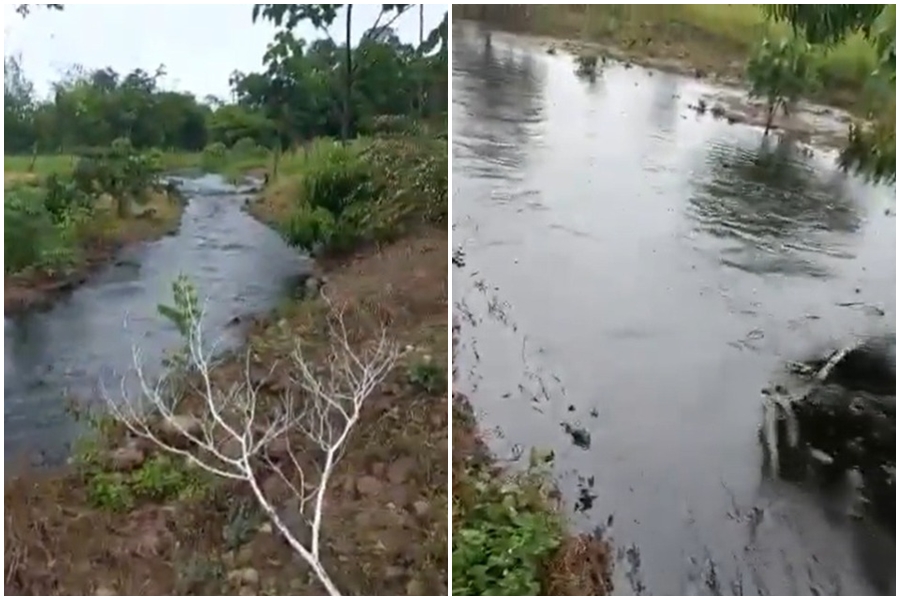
348 83
421 75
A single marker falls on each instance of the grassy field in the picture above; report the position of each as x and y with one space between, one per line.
19 168
714 38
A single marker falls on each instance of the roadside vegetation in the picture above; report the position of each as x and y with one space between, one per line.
314 461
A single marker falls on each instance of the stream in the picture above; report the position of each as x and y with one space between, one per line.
629 275
240 265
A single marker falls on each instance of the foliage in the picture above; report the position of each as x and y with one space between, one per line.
184 310
781 72
159 479
39 232
428 376
504 529
214 156
871 148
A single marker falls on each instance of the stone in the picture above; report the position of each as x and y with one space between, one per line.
378 469
399 470
245 555
250 576
232 448
265 528
105 591
126 458
421 507
171 428
247 591
368 486
279 448
415 588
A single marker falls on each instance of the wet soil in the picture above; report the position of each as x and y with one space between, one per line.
385 527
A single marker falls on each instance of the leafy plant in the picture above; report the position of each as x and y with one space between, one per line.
428 376
781 72
184 310
506 531
110 491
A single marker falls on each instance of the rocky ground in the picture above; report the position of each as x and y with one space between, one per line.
126 520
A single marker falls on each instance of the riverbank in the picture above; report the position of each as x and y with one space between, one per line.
708 41
89 245
509 534
129 520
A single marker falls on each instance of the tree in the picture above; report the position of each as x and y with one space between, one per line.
872 147
781 72
323 16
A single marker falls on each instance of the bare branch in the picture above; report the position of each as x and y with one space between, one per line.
237 426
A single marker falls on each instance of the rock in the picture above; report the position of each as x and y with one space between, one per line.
311 287
399 470
171 428
232 448
296 585
126 458
247 591
421 507
415 588
378 469
250 576
368 486
105 591
265 528
244 556
279 448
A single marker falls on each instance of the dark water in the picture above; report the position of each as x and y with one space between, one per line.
634 275
240 265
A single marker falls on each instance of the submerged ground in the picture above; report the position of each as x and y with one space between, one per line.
629 275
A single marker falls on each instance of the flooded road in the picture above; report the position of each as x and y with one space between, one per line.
630 275
242 266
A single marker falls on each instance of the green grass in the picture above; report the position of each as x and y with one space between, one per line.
16 169
713 37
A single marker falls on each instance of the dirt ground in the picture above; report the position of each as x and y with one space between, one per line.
385 524
36 288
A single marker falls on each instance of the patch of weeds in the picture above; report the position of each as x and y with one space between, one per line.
428 376
110 491
161 478
504 530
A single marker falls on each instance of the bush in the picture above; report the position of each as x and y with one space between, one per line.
214 156
336 178
504 530
781 72
34 237
247 147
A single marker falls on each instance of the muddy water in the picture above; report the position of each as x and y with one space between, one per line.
240 265
630 275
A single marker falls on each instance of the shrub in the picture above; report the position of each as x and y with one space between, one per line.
781 72
336 178
505 532
214 156
247 147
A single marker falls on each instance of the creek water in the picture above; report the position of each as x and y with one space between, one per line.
629 275
238 264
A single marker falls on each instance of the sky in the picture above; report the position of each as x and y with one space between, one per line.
199 44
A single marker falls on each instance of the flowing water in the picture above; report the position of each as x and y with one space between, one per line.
239 264
629 275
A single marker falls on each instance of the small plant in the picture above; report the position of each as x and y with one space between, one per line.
428 376
506 531
184 311
110 491
781 72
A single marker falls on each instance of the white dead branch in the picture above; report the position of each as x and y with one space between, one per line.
231 435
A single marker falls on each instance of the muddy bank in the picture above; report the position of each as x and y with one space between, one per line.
390 485
629 275
39 290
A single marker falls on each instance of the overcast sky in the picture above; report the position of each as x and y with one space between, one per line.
199 44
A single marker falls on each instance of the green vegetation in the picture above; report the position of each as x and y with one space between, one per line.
852 55
429 376
781 72
336 198
504 531
52 218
